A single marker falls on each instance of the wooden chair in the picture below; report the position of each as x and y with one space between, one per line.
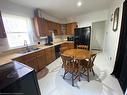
70 66
62 49
82 47
87 65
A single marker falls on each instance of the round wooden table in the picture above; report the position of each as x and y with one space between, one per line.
78 53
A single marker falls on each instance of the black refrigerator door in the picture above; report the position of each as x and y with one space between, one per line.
76 37
82 36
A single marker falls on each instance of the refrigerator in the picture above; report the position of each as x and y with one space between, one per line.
82 36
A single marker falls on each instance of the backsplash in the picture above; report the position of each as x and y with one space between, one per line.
55 39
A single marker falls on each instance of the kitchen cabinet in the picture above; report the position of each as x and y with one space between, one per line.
59 32
38 60
2 30
56 27
50 54
70 28
51 25
41 59
41 26
30 60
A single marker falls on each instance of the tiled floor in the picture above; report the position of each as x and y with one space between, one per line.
102 84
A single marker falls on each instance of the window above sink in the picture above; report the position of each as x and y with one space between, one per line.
18 29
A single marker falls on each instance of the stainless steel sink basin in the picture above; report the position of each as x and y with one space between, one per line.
27 50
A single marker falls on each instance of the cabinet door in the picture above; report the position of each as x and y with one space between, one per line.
50 25
73 26
40 26
41 58
53 53
50 55
32 62
19 59
68 32
70 28
58 29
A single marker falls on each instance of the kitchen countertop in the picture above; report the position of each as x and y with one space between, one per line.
6 58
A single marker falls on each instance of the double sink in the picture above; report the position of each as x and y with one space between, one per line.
29 49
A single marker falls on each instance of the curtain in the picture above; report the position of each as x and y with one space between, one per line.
18 29
2 30
120 69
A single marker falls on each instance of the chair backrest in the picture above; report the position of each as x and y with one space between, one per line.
82 47
66 59
91 59
62 49
88 63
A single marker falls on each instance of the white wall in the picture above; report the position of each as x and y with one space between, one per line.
51 18
88 19
9 7
112 38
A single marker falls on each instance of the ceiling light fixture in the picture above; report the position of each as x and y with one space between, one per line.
79 3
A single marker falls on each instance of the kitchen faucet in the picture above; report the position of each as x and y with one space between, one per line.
26 46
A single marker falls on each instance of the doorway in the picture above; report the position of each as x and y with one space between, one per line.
97 35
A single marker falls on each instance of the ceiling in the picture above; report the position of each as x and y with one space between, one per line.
66 8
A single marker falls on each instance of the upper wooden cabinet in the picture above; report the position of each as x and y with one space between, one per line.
43 27
56 27
2 30
70 28
40 26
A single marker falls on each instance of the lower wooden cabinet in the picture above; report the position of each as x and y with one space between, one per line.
50 54
32 62
41 59
38 60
